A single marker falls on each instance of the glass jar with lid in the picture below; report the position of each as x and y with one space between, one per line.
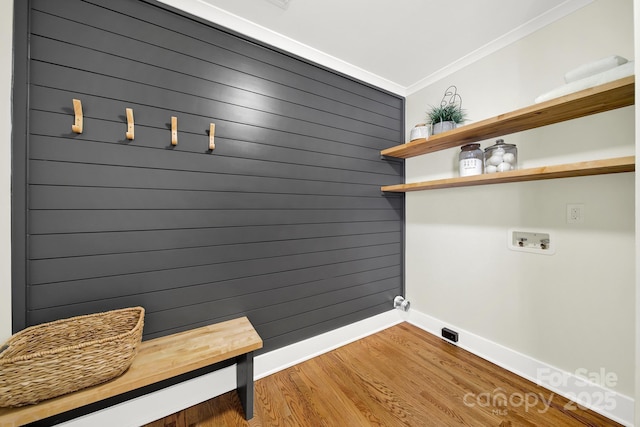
500 157
471 160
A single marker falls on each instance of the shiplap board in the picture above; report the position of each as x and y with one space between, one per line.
283 222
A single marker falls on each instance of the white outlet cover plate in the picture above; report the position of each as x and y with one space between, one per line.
579 208
532 234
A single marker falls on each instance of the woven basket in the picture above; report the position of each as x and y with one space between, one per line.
51 359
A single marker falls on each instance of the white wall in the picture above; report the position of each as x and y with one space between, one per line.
6 47
574 309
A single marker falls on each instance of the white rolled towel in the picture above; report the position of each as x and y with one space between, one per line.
593 68
616 73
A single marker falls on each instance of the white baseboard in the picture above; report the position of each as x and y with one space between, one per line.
153 406
159 404
282 358
607 402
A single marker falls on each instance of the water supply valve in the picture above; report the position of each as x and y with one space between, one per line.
401 304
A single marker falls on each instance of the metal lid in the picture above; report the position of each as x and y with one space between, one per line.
499 144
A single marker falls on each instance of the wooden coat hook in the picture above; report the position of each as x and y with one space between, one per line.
174 130
212 131
129 133
77 110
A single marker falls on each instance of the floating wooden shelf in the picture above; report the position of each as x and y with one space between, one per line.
595 167
609 96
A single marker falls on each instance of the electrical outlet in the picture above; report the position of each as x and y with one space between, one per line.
450 334
575 213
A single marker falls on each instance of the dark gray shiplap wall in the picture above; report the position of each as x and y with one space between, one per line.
284 222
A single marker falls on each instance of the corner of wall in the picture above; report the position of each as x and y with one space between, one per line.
6 51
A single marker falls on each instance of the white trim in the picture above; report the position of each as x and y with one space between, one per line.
150 407
512 36
556 380
282 358
243 26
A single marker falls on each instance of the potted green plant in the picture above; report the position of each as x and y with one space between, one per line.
445 117
448 114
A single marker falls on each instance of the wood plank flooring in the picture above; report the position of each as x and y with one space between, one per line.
402 376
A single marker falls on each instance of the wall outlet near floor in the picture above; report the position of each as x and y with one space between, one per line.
450 334
575 213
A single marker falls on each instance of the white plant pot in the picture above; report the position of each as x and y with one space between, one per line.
443 127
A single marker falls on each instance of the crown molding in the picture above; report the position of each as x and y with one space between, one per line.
511 37
250 29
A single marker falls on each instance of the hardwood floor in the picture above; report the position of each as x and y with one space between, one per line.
402 376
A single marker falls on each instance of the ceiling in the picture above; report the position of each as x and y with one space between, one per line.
399 45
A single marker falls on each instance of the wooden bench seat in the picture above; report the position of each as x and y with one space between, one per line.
160 359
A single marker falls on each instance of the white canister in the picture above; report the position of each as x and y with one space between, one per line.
420 131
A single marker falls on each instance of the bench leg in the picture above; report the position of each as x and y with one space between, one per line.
244 369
